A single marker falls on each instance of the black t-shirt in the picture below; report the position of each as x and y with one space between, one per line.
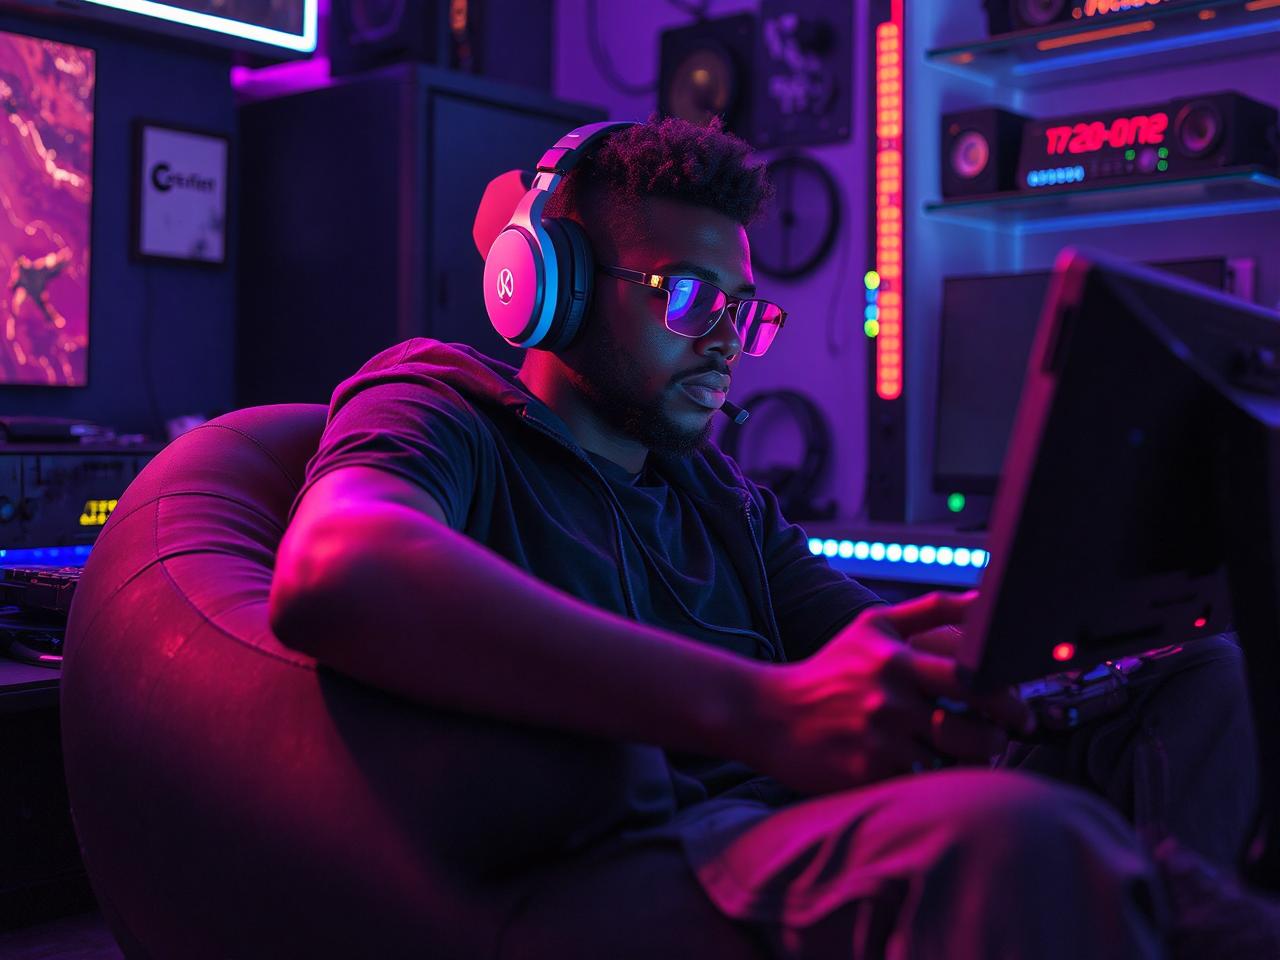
688 545
691 579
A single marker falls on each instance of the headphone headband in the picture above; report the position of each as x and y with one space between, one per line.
537 276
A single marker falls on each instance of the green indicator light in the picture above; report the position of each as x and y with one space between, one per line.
1164 152
1130 154
955 502
872 280
1162 165
872 328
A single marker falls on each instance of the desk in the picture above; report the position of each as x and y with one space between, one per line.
26 687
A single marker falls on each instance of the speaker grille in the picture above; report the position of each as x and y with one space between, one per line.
970 154
1198 127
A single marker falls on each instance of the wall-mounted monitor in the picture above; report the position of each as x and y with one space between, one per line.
987 326
46 198
276 28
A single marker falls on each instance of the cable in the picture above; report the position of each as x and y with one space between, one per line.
601 59
836 343
148 374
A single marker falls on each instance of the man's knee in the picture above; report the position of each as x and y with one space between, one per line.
1018 861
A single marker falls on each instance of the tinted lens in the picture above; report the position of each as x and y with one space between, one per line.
758 322
693 307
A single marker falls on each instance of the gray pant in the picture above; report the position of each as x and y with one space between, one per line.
1032 861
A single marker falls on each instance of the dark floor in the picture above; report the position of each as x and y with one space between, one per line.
83 937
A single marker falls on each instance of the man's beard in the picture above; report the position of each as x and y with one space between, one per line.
607 376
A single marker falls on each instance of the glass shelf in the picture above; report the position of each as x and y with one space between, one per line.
1226 192
1157 36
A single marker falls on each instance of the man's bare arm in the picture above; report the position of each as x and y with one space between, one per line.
371 581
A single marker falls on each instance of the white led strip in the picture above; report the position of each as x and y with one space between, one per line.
305 43
906 553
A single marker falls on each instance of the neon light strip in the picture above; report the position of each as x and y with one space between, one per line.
1253 5
890 75
305 43
1146 48
63 556
924 554
1089 36
1055 175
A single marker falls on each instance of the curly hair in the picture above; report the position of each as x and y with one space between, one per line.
700 165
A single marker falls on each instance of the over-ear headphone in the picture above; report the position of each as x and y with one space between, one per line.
538 273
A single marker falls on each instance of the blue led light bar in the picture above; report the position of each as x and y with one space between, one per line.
50 556
1055 175
303 43
917 562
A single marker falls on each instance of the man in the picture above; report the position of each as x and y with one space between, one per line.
684 734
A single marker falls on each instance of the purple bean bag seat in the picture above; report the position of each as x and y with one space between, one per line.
232 799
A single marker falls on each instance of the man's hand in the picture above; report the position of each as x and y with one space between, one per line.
865 707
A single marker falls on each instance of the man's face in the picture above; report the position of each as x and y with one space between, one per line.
628 363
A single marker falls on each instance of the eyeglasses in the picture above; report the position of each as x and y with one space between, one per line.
695 306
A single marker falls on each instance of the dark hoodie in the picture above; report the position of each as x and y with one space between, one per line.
689 545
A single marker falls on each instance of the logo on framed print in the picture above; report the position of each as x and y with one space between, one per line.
181 190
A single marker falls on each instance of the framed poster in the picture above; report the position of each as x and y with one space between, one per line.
180 188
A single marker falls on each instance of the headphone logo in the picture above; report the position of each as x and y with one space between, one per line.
506 286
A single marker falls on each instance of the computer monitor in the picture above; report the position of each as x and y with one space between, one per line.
279 29
987 326
46 196
1139 504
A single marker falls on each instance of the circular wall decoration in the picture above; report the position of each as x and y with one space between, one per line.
797 231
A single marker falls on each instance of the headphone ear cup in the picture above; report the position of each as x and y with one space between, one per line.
577 273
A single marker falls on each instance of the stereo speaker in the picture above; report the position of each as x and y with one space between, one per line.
505 39
980 151
1224 130
706 70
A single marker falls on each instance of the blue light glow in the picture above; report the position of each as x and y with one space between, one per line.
1100 53
1023 224
872 312
63 556
304 43
1055 175
923 563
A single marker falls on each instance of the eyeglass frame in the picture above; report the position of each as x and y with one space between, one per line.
658 281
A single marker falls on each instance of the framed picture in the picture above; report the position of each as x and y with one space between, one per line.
180 193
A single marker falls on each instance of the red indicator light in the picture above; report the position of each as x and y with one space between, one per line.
1200 622
1064 651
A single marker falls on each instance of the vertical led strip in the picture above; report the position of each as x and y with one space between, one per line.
888 205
